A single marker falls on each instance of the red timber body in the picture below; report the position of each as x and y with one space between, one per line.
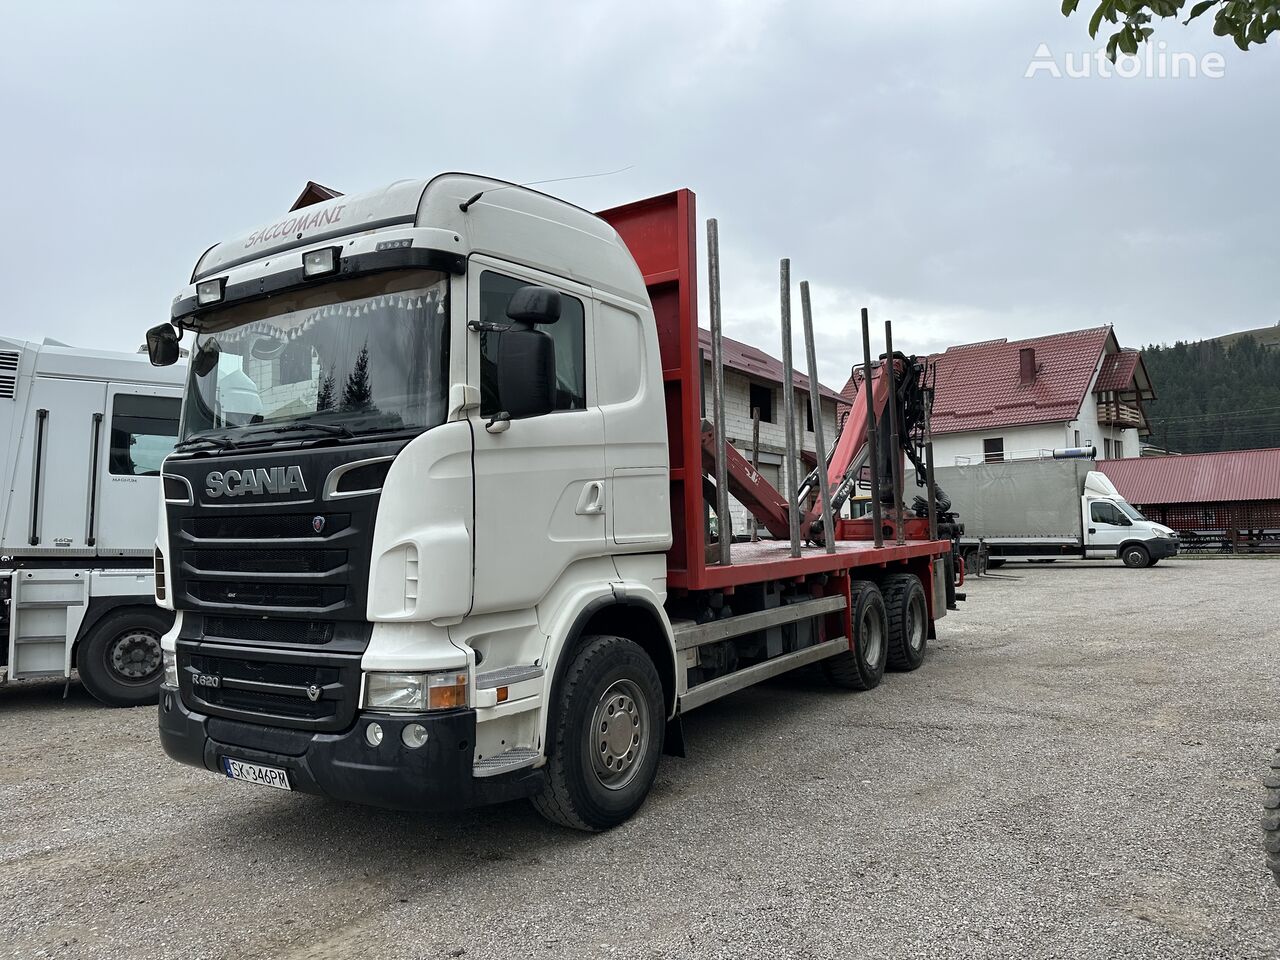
661 233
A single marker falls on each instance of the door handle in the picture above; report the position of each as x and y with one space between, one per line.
1092 530
591 501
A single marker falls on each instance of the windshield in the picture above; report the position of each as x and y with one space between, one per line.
1131 512
368 355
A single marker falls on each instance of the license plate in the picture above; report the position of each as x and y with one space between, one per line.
255 773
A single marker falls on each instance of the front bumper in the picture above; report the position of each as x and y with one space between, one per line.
1162 547
343 766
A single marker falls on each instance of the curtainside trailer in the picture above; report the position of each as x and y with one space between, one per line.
437 531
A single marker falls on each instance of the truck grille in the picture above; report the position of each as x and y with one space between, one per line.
293 526
269 631
274 689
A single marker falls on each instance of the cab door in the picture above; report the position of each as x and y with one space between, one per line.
139 431
1106 528
540 492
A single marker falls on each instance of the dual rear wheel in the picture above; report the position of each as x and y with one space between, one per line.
890 630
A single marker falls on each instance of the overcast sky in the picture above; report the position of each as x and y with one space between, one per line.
895 152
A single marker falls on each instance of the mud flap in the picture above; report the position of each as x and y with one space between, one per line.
673 740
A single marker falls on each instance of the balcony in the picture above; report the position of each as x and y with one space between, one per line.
1118 413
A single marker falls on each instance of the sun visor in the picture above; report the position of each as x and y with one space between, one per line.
341 216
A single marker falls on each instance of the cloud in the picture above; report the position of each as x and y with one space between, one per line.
897 154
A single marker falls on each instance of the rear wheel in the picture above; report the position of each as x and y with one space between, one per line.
908 617
862 667
1135 555
605 738
120 661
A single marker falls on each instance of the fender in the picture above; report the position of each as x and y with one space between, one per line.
570 625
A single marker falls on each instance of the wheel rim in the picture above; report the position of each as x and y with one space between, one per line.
872 637
915 622
134 655
619 734
1133 558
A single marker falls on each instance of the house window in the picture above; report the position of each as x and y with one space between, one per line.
1119 448
808 415
1077 439
993 450
1106 448
567 332
761 399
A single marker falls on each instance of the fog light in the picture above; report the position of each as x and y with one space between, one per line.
317 263
210 291
414 735
373 734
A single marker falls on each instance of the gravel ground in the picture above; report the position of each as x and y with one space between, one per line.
1055 782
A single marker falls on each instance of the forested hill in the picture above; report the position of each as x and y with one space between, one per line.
1211 397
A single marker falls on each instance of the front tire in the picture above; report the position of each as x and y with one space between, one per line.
1135 556
862 667
120 661
605 736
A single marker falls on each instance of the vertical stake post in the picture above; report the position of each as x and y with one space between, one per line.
895 446
789 407
755 465
873 431
724 538
815 409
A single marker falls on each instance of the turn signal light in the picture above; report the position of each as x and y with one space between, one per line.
446 691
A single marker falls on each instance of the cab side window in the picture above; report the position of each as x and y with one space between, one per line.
143 432
568 333
1107 513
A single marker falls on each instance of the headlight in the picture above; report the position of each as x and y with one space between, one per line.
170 667
416 691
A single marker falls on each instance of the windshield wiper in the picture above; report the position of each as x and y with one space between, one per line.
222 443
334 429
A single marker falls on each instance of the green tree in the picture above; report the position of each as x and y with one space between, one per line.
325 397
1214 397
357 393
1247 22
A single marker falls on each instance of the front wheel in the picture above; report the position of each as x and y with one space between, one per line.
605 736
120 661
1136 556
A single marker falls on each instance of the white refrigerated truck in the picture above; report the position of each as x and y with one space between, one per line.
1043 510
82 437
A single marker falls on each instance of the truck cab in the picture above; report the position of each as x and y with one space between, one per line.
1115 528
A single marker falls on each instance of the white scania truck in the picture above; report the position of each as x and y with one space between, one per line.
1044 510
435 529
82 437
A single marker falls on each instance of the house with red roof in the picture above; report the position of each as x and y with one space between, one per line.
1007 400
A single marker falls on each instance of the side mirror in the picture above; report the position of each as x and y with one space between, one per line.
534 305
527 372
162 345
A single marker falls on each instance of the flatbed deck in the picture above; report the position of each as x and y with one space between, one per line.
771 559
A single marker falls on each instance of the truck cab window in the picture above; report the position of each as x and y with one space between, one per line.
1107 513
568 333
143 432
